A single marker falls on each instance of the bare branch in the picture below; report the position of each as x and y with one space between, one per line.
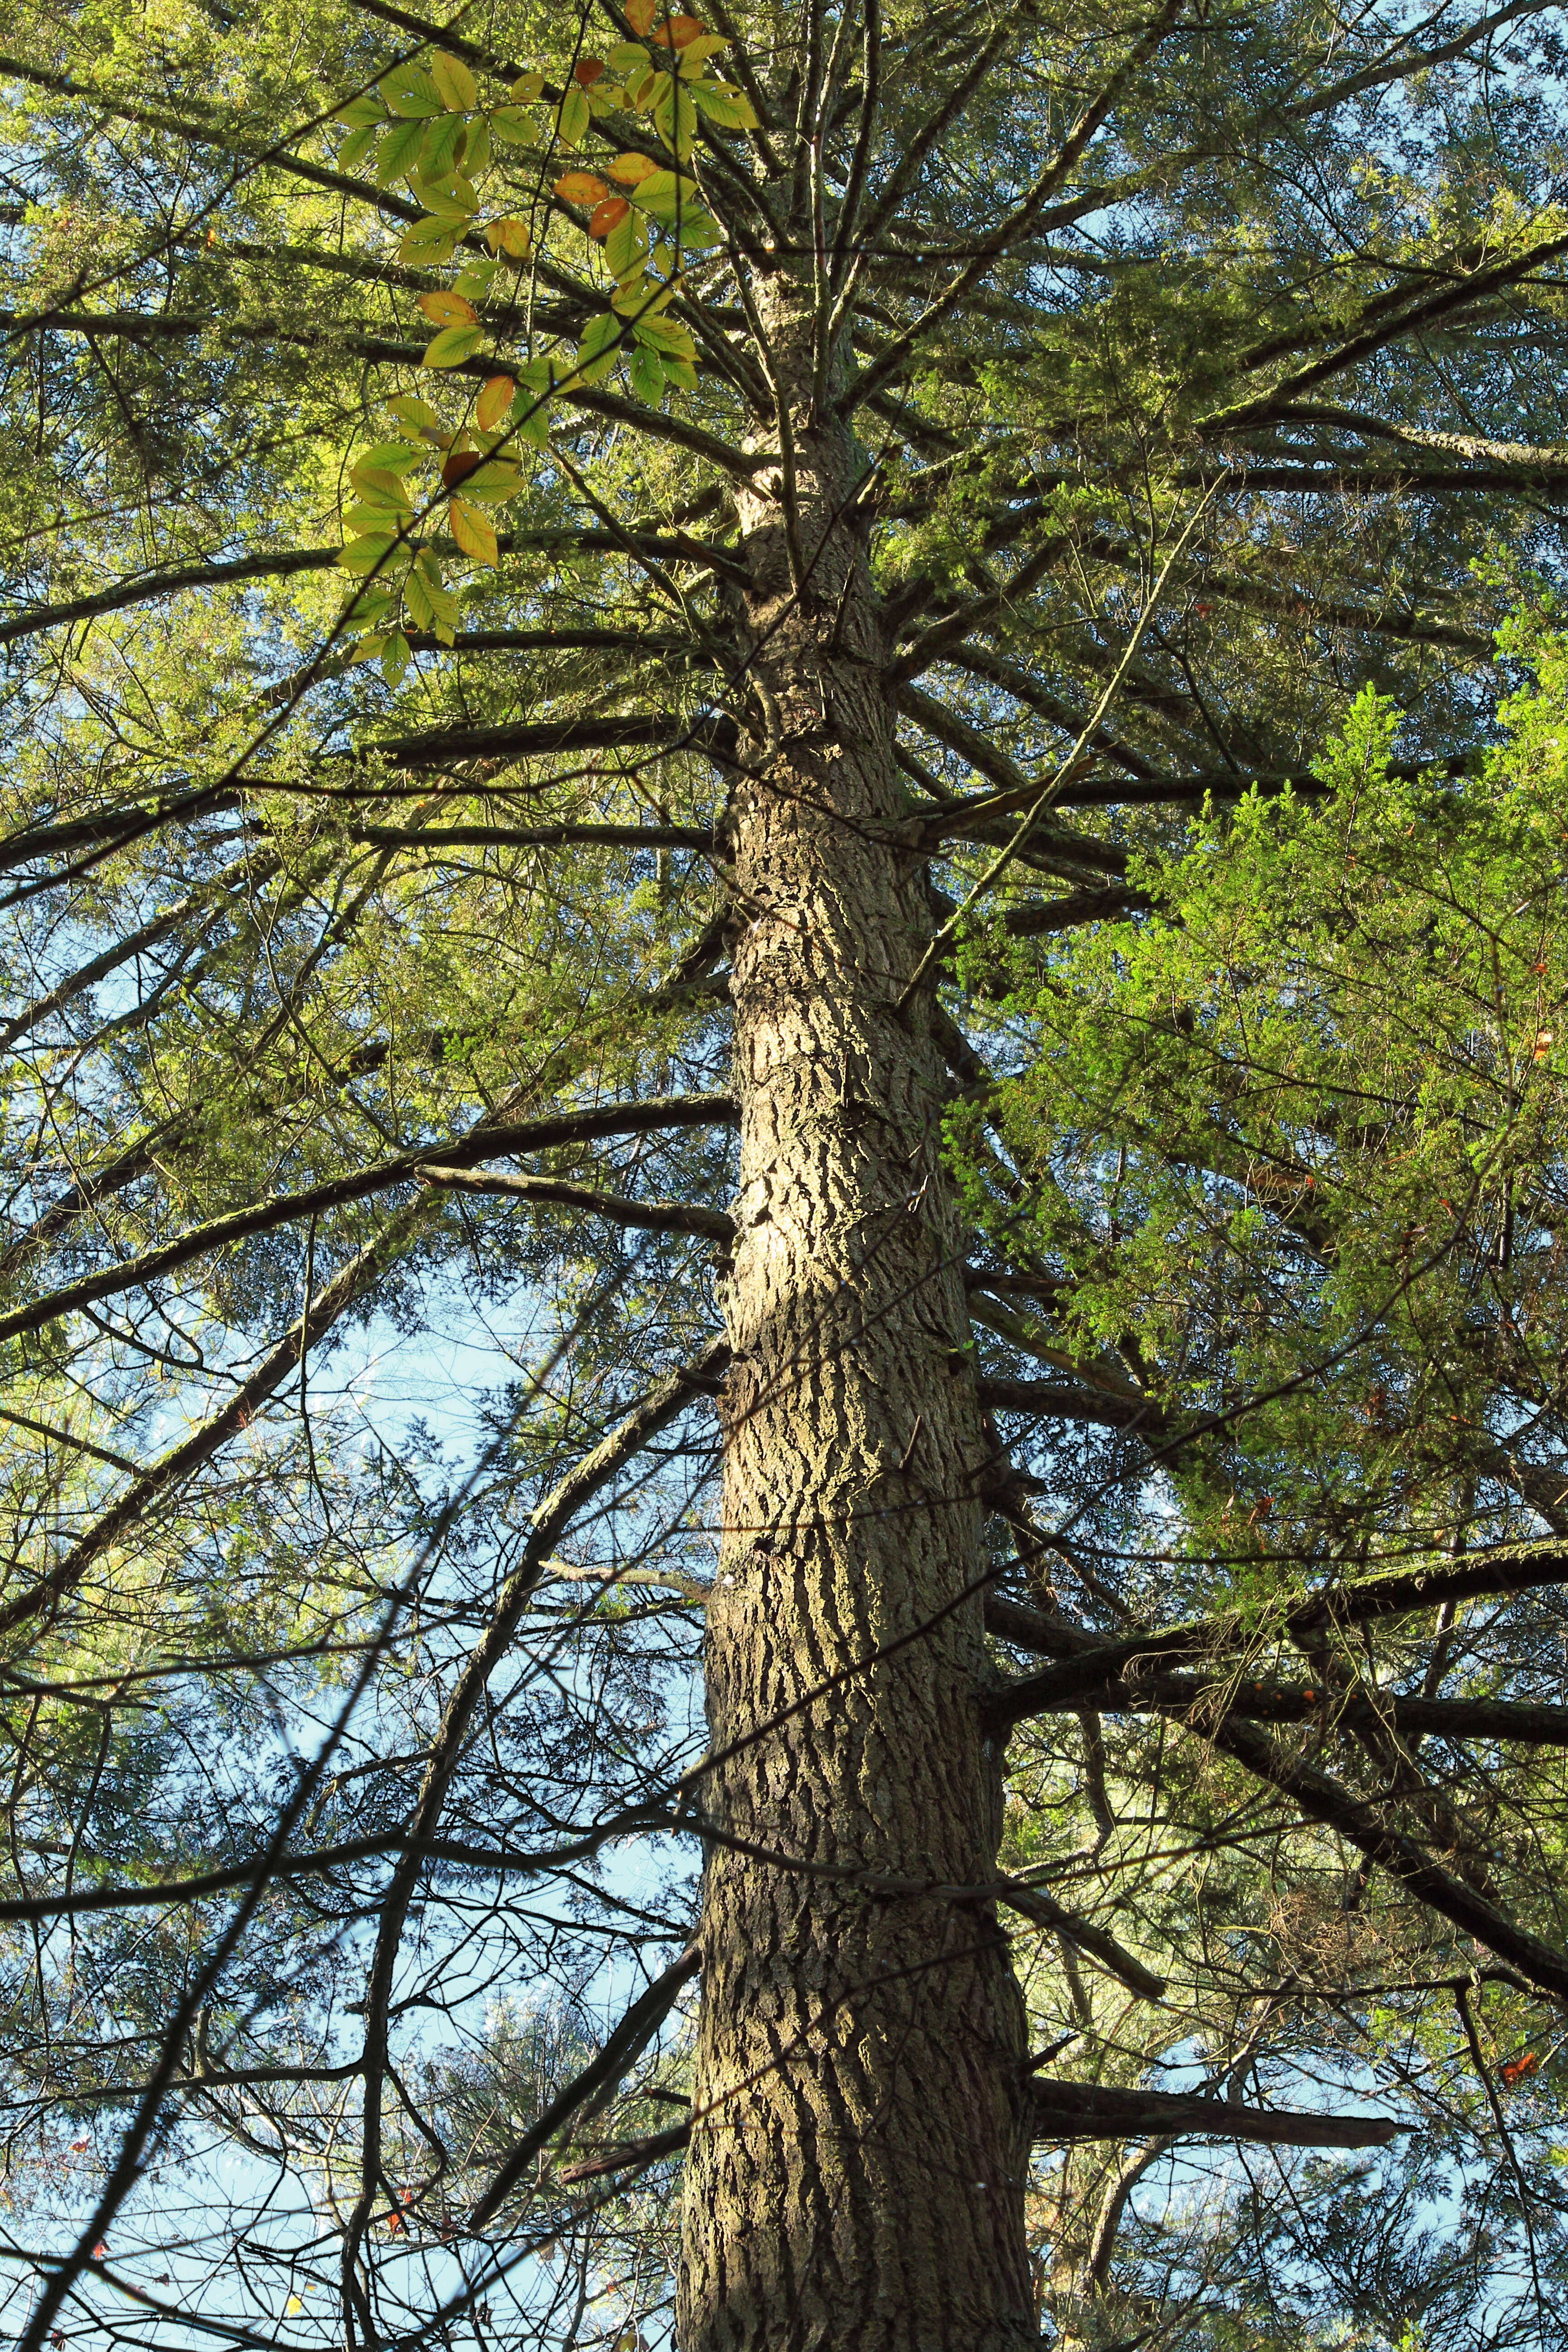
655 1216
1208 1699
1062 2110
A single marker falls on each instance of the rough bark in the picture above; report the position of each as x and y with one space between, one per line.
860 2136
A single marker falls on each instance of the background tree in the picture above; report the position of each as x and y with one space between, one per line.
624 633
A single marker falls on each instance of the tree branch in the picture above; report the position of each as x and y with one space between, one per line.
191 1451
655 1216
1024 216
151 586
252 869
1062 1401
660 1112
1319 1797
550 1521
538 836
1485 1573
1210 1698
630 2038
1061 2110
1247 414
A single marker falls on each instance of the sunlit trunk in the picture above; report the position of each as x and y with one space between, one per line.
856 2170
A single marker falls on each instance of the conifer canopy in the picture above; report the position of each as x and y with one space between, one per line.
784 1449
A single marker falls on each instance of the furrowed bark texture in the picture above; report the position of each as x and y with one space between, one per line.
856 2170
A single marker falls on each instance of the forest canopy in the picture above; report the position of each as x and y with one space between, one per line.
784 1460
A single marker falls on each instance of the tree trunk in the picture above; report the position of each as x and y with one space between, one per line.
856 2171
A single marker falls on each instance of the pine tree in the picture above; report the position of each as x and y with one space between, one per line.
801 707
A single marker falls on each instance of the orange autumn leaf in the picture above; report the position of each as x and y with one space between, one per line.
607 215
579 188
1517 2068
676 31
460 465
586 71
448 311
639 15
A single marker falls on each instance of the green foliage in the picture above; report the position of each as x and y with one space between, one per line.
1318 1093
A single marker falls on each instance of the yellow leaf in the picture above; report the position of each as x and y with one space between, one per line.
410 93
448 311
366 554
626 250
631 169
294 2304
579 188
453 198
640 14
353 151
417 415
572 117
375 519
393 656
495 483
630 296
460 91
509 236
514 124
647 376
473 533
668 337
526 89
729 108
379 481
429 243
452 346
494 402
674 115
